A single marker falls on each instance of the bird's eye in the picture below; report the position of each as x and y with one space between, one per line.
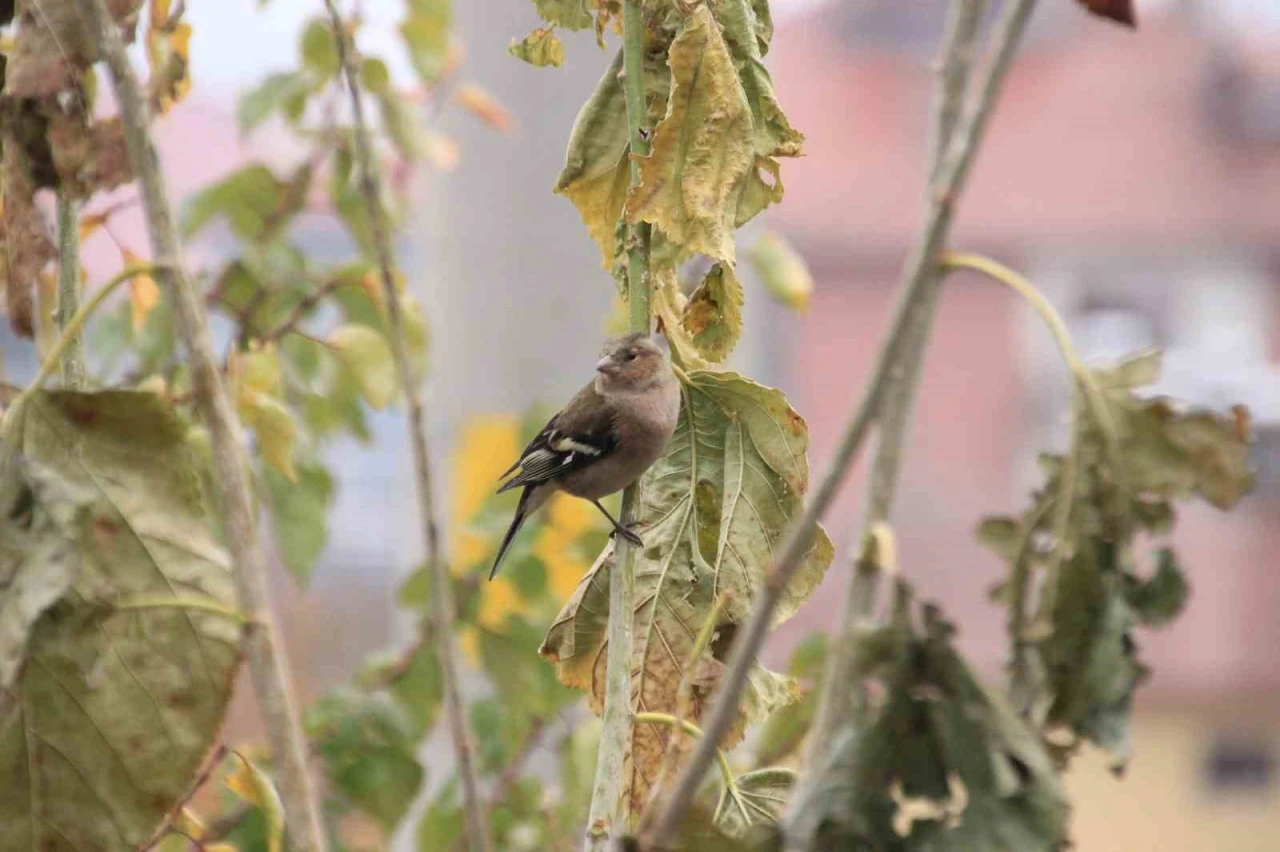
629 356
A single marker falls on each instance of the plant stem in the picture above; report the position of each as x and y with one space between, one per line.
71 331
726 771
610 811
69 289
442 612
915 310
267 661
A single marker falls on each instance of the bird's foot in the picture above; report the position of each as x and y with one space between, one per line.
628 535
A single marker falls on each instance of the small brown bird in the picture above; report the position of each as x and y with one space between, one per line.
604 439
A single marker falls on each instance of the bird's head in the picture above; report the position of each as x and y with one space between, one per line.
632 362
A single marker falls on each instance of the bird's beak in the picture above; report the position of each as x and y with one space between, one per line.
605 365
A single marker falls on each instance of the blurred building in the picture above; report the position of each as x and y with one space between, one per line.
1135 177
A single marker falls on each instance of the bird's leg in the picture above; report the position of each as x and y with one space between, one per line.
619 528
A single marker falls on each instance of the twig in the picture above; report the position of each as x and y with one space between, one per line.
610 811
914 302
267 661
916 309
442 607
304 307
69 289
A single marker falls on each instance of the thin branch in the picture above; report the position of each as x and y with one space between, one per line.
69 289
442 611
303 308
610 812
915 307
267 661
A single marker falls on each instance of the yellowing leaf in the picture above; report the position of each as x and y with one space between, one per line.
713 511
596 171
783 270
702 149
570 14
274 427
440 151
540 47
259 370
484 106
169 57
144 293
669 305
250 783
713 316
368 356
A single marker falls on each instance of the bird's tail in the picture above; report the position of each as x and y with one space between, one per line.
523 511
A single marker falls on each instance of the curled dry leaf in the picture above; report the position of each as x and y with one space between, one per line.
52 46
713 510
713 316
702 148
479 102
27 245
540 47
89 157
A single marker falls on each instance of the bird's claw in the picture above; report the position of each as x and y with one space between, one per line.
629 536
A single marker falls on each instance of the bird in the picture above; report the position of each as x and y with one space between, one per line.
604 439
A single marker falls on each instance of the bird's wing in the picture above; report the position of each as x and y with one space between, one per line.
581 434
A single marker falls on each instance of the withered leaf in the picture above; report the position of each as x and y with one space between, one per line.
713 317
89 157
703 147
27 245
52 46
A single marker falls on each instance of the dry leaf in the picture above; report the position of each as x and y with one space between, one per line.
483 106
144 293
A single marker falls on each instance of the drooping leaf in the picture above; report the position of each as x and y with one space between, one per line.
144 292
245 198
367 354
713 511
27 246
757 798
596 171
713 317
52 46
944 764
782 270
118 707
367 745
702 148
669 307
774 136
168 43
253 786
540 47
1131 457
285 92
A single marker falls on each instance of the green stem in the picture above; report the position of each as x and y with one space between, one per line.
726 771
69 289
71 331
611 797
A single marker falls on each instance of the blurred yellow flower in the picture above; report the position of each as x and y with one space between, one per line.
556 545
486 447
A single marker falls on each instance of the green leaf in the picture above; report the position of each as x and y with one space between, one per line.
318 48
299 515
253 786
785 729
944 764
416 683
278 92
782 270
367 355
1135 371
441 825
1160 599
713 512
245 198
756 798
570 14
540 47
116 709
426 36
702 149
367 745
400 123
713 317
374 75
272 424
